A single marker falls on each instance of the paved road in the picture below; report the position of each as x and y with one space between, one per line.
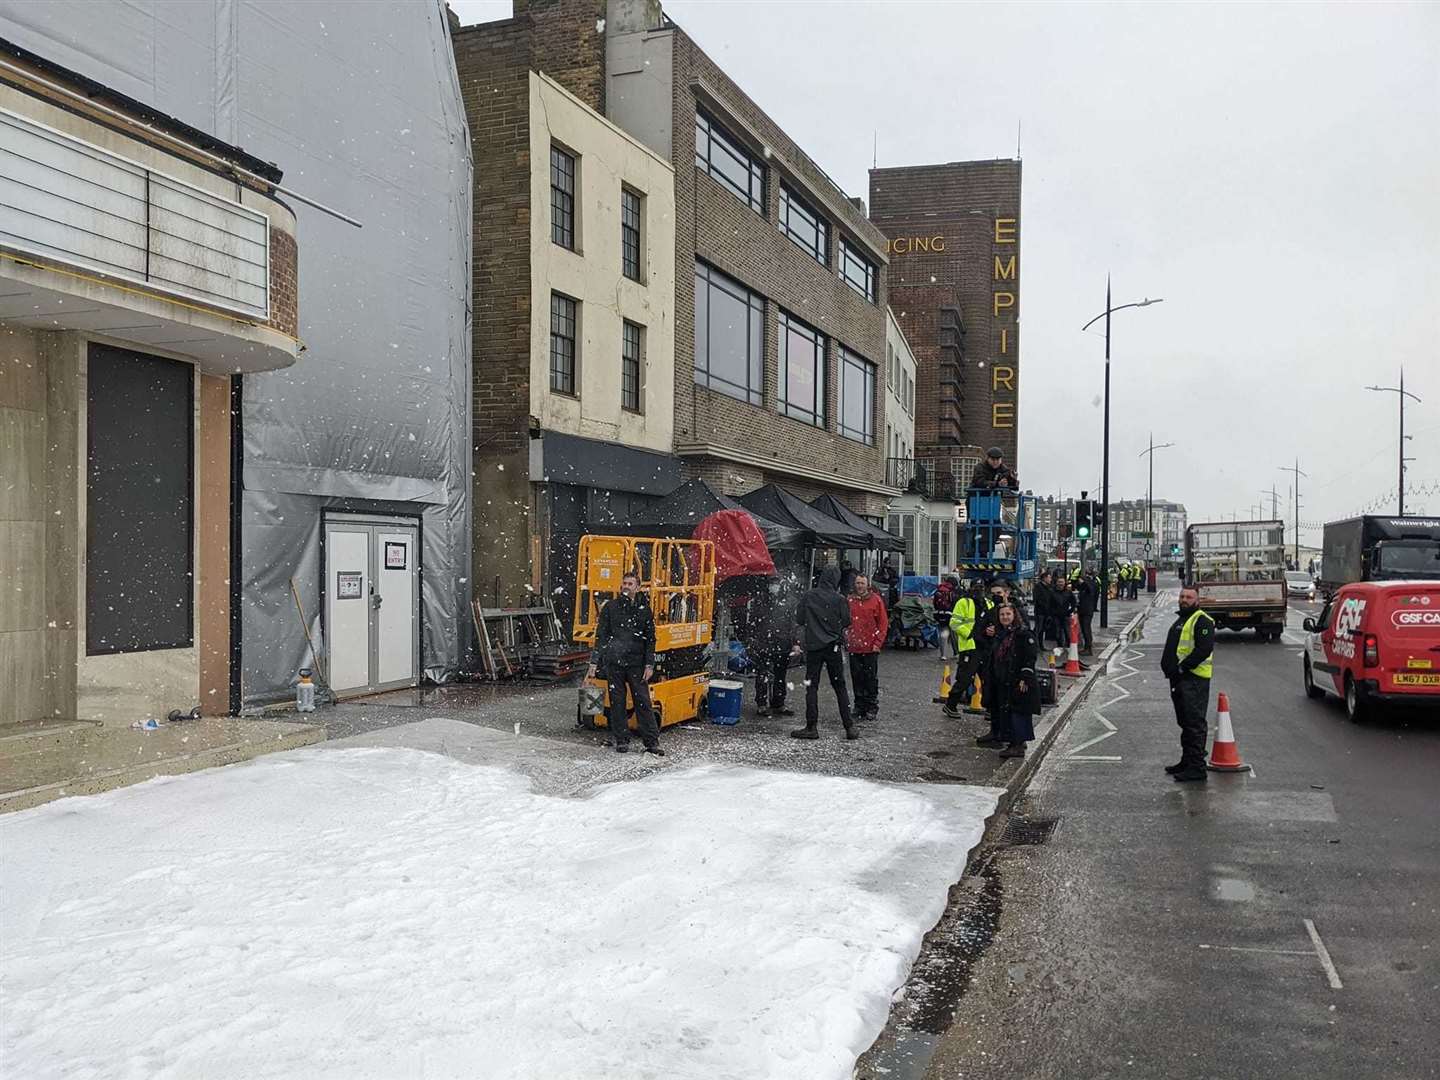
1165 930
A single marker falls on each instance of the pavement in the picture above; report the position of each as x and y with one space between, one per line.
1280 923
911 741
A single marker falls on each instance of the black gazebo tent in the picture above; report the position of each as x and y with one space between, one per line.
777 504
693 501
880 540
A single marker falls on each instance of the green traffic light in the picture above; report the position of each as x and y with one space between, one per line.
1083 532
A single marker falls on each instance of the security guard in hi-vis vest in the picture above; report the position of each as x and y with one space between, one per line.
1187 663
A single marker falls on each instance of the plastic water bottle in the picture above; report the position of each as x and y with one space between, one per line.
305 692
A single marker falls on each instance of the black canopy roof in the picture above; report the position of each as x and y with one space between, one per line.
693 501
880 540
777 504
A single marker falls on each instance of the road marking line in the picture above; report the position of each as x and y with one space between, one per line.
1121 658
1092 757
1324 955
1091 742
1255 948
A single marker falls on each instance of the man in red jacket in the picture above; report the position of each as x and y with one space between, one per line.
869 625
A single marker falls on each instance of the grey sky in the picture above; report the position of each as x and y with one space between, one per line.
1272 171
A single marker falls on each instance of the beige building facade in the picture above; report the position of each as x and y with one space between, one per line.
146 266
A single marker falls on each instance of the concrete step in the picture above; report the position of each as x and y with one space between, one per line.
55 759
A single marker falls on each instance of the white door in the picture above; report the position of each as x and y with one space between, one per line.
347 606
395 607
372 604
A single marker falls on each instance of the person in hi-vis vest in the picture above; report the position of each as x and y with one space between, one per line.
1188 662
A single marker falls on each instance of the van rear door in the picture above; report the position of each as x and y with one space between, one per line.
1408 628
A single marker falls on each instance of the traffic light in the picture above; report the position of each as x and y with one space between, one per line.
1097 515
1084 518
1174 551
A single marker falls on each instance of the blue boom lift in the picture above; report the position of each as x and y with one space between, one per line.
999 539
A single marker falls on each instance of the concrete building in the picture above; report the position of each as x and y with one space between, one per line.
954 247
350 468
779 290
899 400
1130 516
781 280
145 267
575 375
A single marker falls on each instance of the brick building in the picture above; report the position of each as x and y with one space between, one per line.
954 247
779 278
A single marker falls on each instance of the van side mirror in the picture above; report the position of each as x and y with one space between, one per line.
1309 625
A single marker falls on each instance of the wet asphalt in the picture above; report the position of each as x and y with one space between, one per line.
1132 926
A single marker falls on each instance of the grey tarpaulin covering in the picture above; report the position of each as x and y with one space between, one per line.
359 105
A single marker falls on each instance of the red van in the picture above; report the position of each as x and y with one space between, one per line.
1377 643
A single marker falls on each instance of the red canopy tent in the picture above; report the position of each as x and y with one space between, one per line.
739 545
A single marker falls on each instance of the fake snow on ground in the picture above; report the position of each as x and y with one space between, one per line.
395 913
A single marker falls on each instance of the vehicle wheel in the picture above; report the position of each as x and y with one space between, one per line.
1355 706
1311 690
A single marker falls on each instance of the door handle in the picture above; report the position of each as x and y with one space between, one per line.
376 600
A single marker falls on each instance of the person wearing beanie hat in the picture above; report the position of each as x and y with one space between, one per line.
993 473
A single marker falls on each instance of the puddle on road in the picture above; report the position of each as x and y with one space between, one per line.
1227 888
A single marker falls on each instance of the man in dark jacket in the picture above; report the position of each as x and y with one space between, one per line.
1062 606
625 645
1044 608
1187 663
821 619
993 473
1087 599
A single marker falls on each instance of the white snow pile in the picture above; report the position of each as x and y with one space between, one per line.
392 913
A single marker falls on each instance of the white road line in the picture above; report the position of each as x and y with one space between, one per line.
1121 658
1324 955
1255 948
1092 757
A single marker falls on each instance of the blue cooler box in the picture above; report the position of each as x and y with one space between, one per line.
723 699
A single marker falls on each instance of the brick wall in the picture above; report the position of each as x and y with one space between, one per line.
493 61
714 225
937 200
284 283
568 46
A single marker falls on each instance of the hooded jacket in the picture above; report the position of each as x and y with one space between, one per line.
823 615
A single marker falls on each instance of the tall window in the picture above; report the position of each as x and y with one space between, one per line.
890 365
858 272
857 397
562 198
632 351
563 319
729 336
722 156
805 226
139 491
802 371
630 234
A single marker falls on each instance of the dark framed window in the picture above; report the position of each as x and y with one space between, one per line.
564 317
729 336
630 234
805 226
632 359
857 397
562 198
859 272
802 370
139 503
720 154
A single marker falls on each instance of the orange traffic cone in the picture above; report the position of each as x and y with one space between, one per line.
977 701
1224 754
944 694
1072 662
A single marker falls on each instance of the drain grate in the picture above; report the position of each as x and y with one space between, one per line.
1022 830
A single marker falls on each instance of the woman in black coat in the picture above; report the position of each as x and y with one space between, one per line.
1012 696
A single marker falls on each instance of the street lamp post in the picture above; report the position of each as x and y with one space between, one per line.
1403 394
1105 473
1150 491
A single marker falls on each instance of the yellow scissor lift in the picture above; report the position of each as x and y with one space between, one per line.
677 577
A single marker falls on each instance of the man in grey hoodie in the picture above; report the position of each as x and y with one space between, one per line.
821 618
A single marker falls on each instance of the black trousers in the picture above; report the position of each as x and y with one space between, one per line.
865 678
771 670
966 665
827 660
633 676
1191 697
1087 635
